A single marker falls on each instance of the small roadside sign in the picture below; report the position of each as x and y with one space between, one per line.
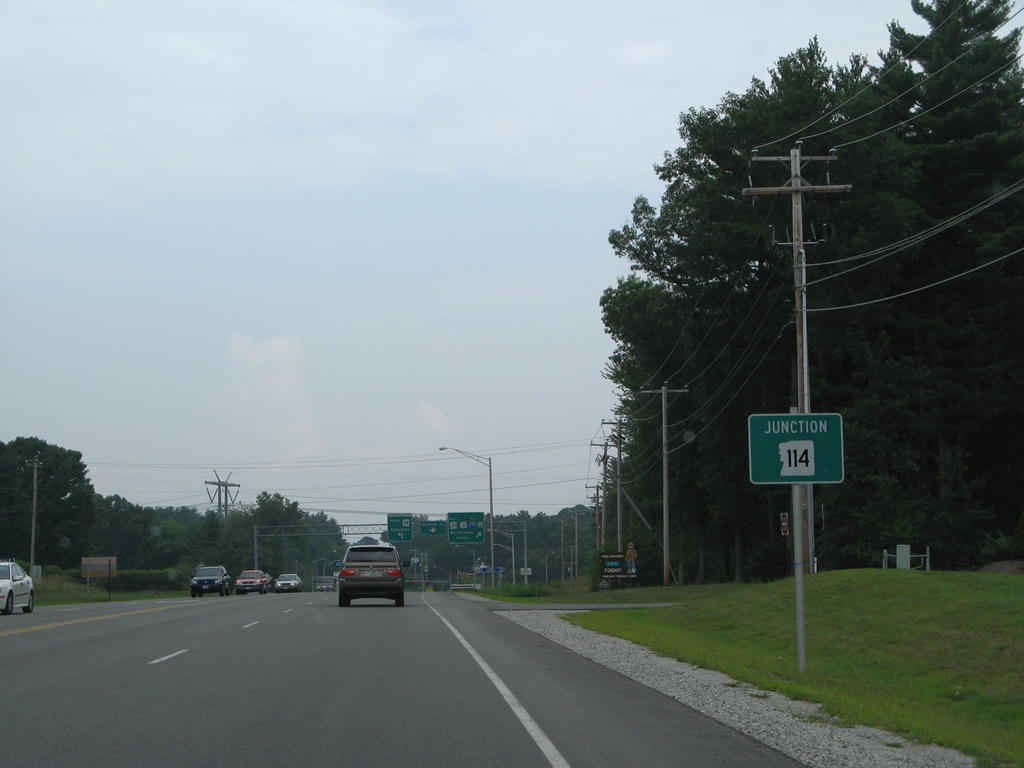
615 565
99 567
784 523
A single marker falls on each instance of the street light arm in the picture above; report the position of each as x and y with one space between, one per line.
486 460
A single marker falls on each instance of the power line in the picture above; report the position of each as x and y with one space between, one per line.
900 245
916 115
918 84
866 88
922 288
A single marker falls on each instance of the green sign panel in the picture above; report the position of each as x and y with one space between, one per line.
788 448
432 527
399 528
465 527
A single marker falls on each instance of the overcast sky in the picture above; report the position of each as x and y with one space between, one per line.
307 243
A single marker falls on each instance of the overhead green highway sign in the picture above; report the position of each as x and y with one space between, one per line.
399 528
788 448
432 527
465 527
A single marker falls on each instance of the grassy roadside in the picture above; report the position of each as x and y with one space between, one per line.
60 590
937 657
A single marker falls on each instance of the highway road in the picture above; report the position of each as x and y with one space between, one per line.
294 680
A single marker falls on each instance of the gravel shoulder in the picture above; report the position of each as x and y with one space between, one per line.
801 730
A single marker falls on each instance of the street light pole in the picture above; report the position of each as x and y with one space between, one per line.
472 565
319 559
490 485
513 550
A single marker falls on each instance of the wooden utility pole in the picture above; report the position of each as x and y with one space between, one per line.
602 489
666 565
35 493
618 484
796 188
617 436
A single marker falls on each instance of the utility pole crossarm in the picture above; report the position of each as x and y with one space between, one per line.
801 187
785 158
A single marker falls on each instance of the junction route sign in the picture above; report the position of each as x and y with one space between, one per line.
788 448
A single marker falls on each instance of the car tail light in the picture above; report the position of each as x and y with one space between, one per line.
394 572
348 572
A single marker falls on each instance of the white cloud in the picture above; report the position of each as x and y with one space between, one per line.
434 418
266 390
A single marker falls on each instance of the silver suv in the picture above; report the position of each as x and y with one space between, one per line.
372 570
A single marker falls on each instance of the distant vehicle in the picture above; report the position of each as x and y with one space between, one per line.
288 582
372 571
211 579
16 589
325 584
252 581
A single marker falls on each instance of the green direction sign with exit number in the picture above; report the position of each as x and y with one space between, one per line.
788 448
465 527
399 528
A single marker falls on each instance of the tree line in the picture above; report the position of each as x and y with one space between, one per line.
73 521
914 285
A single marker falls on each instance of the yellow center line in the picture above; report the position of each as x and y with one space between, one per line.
18 631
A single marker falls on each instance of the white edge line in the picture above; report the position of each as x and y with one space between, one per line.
252 624
165 658
550 751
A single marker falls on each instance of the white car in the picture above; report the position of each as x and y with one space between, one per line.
16 589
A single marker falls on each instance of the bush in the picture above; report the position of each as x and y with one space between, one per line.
999 547
533 589
145 581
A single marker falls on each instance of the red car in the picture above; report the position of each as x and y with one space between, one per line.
252 581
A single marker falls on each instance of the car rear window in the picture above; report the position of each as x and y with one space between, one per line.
208 572
371 556
250 575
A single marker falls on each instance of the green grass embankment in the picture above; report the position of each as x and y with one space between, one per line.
937 657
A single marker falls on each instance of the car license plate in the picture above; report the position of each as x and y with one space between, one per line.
206 586
369 572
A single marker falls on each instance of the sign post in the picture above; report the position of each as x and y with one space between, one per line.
796 449
98 568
